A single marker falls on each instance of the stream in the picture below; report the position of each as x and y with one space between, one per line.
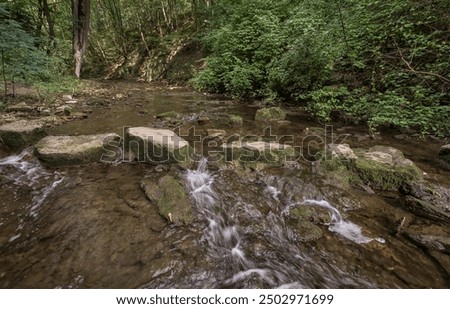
92 226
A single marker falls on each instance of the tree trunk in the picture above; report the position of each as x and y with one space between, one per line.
4 73
50 21
81 14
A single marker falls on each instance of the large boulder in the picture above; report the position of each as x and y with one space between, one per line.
157 146
21 133
173 203
386 168
380 167
83 149
270 114
444 153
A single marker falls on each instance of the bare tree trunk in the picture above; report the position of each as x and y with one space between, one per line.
50 21
45 13
4 73
81 14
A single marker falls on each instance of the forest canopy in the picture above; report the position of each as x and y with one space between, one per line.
383 63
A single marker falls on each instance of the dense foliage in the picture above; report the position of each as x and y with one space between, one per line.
380 62
375 62
19 58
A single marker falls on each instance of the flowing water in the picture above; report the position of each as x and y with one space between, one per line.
92 226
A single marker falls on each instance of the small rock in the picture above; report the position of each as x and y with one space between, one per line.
78 115
46 112
203 120
214 134
173 202
233 138
160 168
67 97
63 110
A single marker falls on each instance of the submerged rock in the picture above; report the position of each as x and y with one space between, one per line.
22 133
270 114
311 213
304 220
425 209
173 203
432 242
444 153
83 149
157 146
307 231
431 193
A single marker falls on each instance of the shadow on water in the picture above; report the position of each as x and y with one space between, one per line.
92 226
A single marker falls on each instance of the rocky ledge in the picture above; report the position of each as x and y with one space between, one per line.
83 149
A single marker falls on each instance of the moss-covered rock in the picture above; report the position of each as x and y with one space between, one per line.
307 231
236 121
270 114
170 196
311 213
385 177
304 224
380 167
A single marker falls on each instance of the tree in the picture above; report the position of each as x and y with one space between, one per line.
81 16
19 58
